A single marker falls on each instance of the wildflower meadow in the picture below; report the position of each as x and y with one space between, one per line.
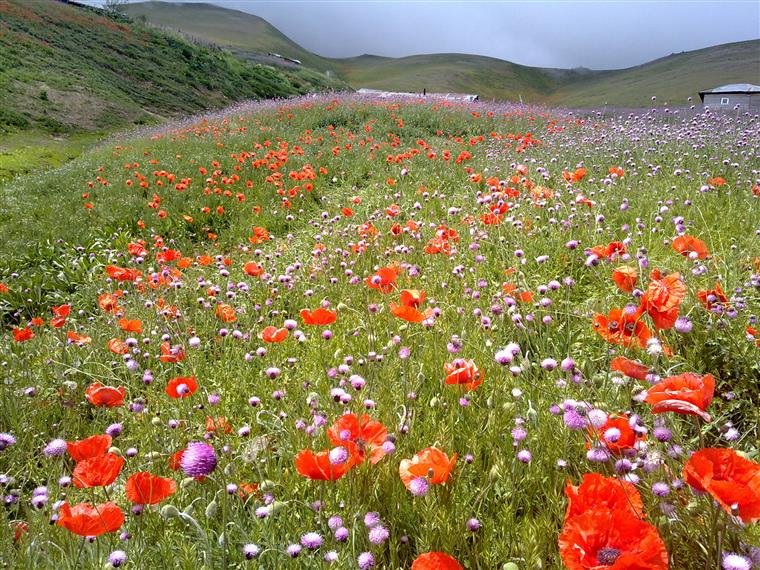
346 332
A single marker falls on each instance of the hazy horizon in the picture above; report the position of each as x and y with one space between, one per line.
548 33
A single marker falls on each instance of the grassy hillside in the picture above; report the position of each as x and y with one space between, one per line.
69 71
489 77
673 78
239 31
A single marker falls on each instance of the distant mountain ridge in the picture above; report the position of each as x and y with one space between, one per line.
672 78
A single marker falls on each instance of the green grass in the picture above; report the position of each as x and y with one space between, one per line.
26 151
55 251
673 78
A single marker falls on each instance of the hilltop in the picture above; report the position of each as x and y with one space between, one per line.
673 78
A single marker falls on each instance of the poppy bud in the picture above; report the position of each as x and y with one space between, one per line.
211 509
169 512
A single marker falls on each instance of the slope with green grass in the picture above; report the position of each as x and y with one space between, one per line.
238 31
673 78
69 71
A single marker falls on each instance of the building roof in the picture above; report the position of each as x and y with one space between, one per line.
731 88
394 94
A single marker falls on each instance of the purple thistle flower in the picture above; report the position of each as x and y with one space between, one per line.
55 448
341 534
473 525
378 534
251 551
419 486
733 561
311 540
117 558
371 519
294 550
198 460
366 560
6 440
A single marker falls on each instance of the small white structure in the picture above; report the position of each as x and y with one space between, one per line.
743 96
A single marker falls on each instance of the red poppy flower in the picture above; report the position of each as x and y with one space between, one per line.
360 435
690 246
133 325
575 176
91 520
687 393
98 471
435 561
273 334
21 335
90 447
731 480
717 294
78 339
610 250
169 354
220 424
253 269
225 313
616 434
61 311
109 303
463 373
384 279
431 463
598 491
623 328
175 460
122 274
663 297
393 210
318 467
260 235
146 489
409 313
320 317
173 387
754 335
105 396
412 298
630 368
625 278
614 539
117 346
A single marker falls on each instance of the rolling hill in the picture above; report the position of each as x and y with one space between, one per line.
672 78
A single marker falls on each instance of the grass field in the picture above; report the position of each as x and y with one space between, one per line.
672 79
514 297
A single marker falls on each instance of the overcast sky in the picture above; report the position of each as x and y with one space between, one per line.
595 34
